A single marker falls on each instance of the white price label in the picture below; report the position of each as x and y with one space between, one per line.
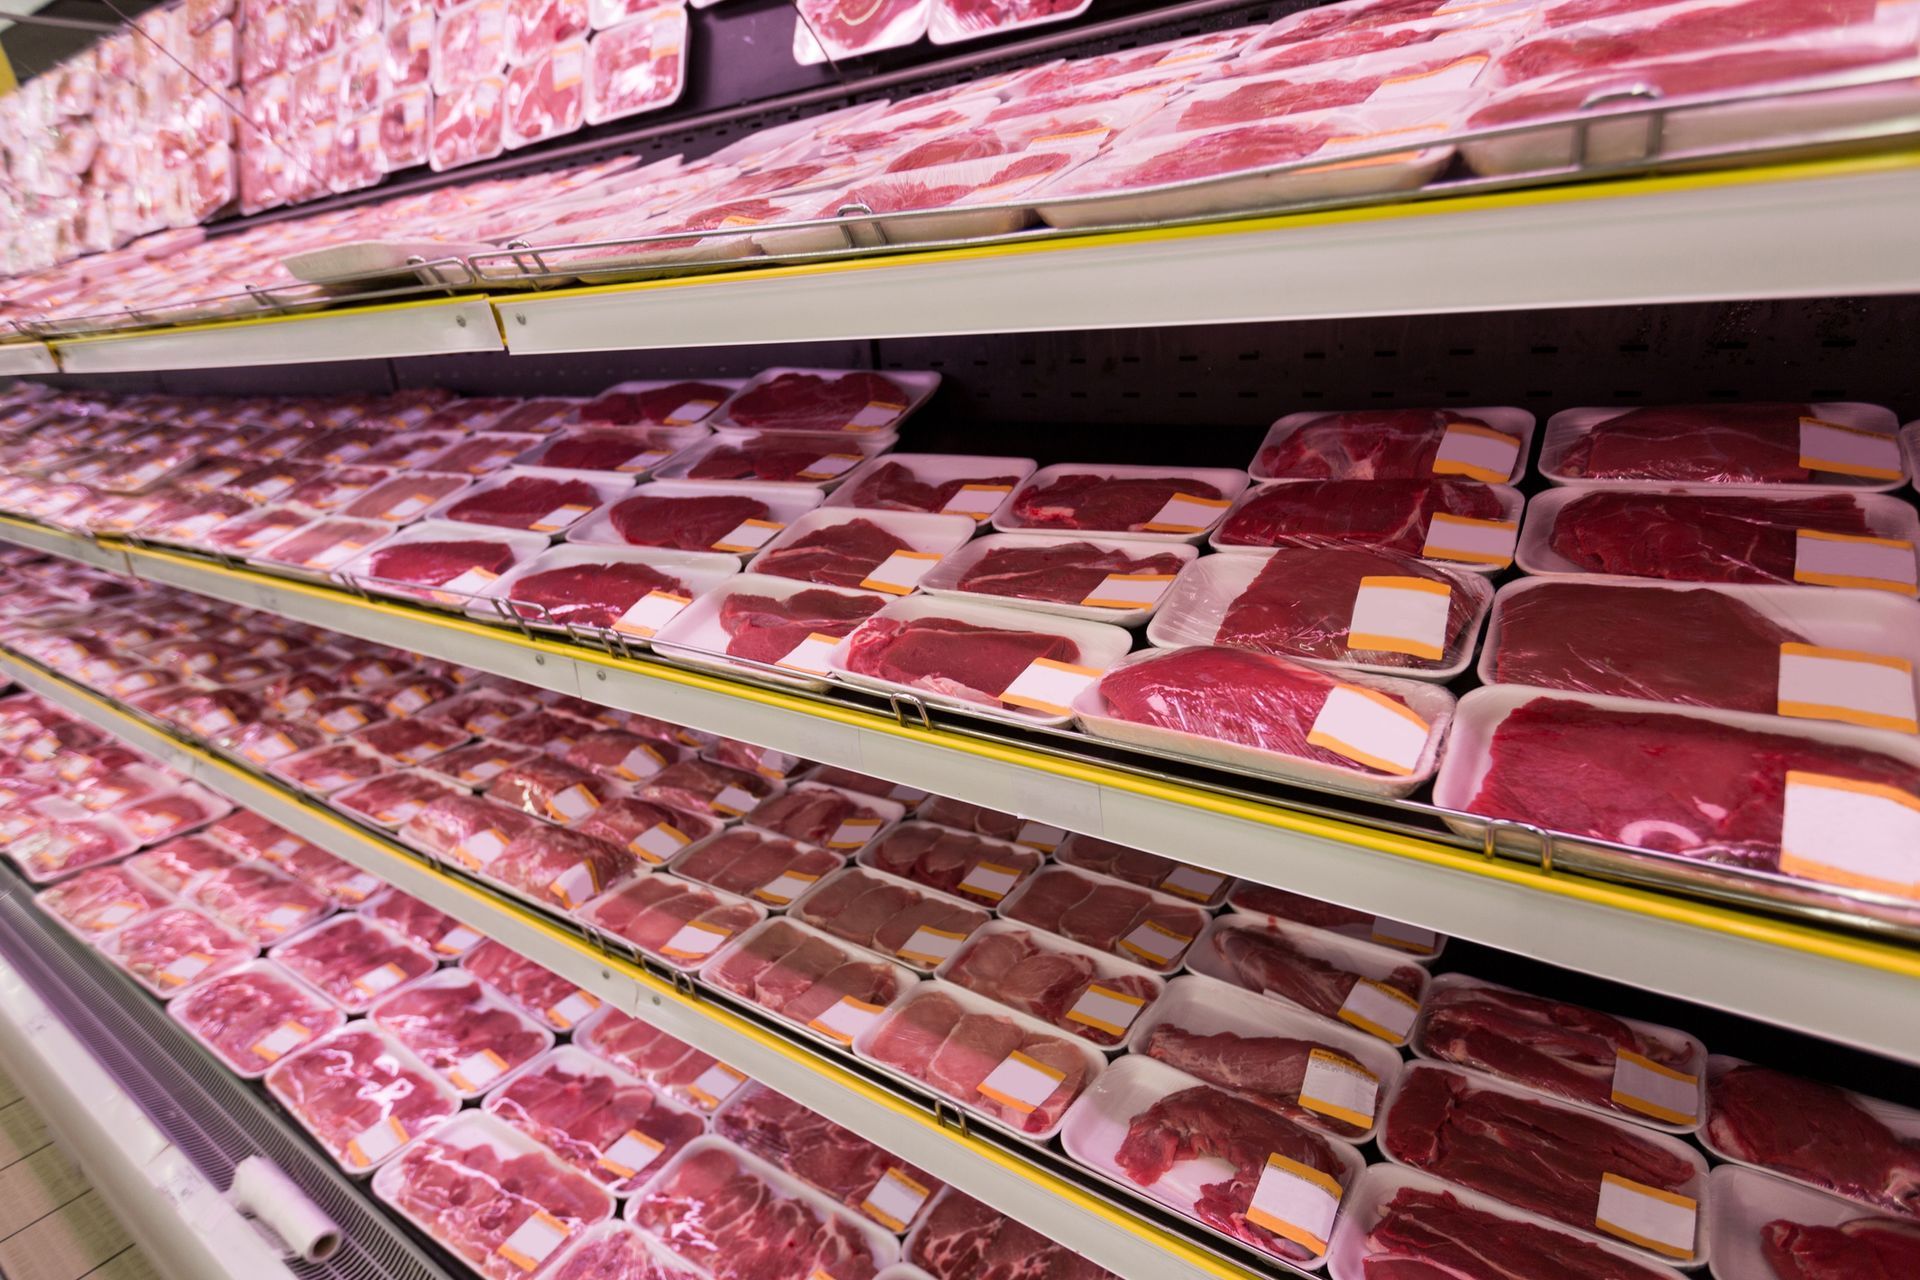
895 1200
649 613
1844 560
1155 944
576 885
565 1014
811 654
930 946
1049 686
534 1241
658 843
1186 513
1370 728
283 918
1850 451
1040 835
990 880
631 1152
640 763
734 801
1868 689
749 535
184 969
715 1085
831 466
691 411
876 414
295 701
282 849
1401 615
376 1142
1129 591
466 585
282 1040
359 887
785 887
695 941
485 770
1862 835
846 1019
1476 452
473 1073
409 507
379 980
1469 541
1193 883
900 572
1404 937
1654 1089
977 500
1380 1010
456 940
1021 1083
569 805
343 720
1296 1202
479 850
1663 1221
397 814
560 517
853 833
1105 1009
275 746
1337 1086
334 556
408 700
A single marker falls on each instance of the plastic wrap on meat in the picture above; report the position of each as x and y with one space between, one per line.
1667 782
884 915
815 815
566 868
552 731
1389 514
752 864
360 1096
1301 605
588 594
772 457
658 1058
551 789
1117 504
1815 1133
1269 1070
1699 444
815 402
1270 962
637 66
101 899
353 960
819 1152
839 555
962 1239
971 19
1863 1249
538 991
764 629
535 27
255 1016
467 124
688 524
470 42
527 502
619 756
800 976
844 30
1021 971
438 563
424 925
892 487
1108 917
1374 444
1433 1233
683 922
1137 866
262 904
962 816
394 799
620 1251
652 832
612 1128
672 404
462 1030
180 862
934 1039
170 950
331 768
481 712
1065 573
947 656
1697 539
54 848
414 740
952 861
700 786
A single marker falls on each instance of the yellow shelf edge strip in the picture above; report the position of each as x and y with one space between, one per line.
255 322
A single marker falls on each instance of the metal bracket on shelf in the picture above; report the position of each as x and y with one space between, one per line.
898 703
1583 129
1541 838
950 1117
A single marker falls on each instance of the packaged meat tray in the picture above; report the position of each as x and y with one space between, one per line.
330 768
953 21
831 817
469 42
1777 650
1007 663
1846 1144
969 867
168 951
553 732
961 816
829 30
318 549
253 1016
1319 1075
672 1066
1356 607
480 712
617 756
1761 1226
254 533
1626 1186
826 401
652 833
426 926
692 1207
1264 900
413 740
755 623
1372 988
259 902
703 787
1768 447
966 199
677 405
739 519
534 1203
1086 993
1170 504
597 1118
741 754
957 1236
1742 790
837 1161
462 1029
626 451
1489 445
674 920
1160 1133
1394 1217
1632 1070
634 591
756 864
1147 928
100 900
362 1095
392 799
535 27
354 960
52 848
773 457
554 867
934 483
540 500
618 1251
444 563
916 926
1260 714
820 984
1110 580
639 65
468 124
1462 523
335 488
1137 866
551 789
537 991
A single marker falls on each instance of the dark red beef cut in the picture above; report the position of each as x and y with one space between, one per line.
599 451
959 659
837 555
772 458
1374 444
527 502
891 487
1269 1070
1430 1235
1697 539
590 595
1271 963
1229 151
690 524
1065 572
763 629
671 405
1864 1249
1300 605
434 564
810 402
949 148
1118 504
1374 513
1661 781
1816 1133
1695 444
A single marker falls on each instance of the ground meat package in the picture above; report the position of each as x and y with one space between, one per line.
819 983
1086 993
1375 989
361 1094
634 591
1761 1226
1164 1134
826 401
1489 445
1114 580
440 562
1173 504
901 920
936 483
1775 447
639 65
253 1016
736 518
768 621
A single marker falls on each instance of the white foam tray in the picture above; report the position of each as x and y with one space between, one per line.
1363 958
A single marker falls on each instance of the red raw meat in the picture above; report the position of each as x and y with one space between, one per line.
656 1057
623 451
675 404
590 595
1813 1132
539 992
1268 1070
637 66
448 1024
1021 971
255 1017
1686 31
770 457
744 861
1104 916
332 768
1300 605
943 859
812 402
528 502
1863 1249
1282 904
168 814
1374 444
566 868
1116 504
948 148
959 659
722 1217
1266 961
532 785
933 1039
963 1239
1254 699
621 756
1696 539
1254 146
1204 1123
104 898
1065 572
1661 781
798 975
435 564
262 904
534 27
838 555
983 16
343 1088
1374 513
1696 444
700 786
962 816
623 1253
1618 640
897 194
414 740
480 762
1259 100
653 910
428 926
353 960
689 524
579 1114
1430 1235
892 487
812 814
811 1147
882 915
1137 866
170 950
763 629
177 863
1557 1048
445 825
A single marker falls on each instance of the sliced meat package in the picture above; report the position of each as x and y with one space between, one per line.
354 960
768 628
804 1143
414 739
1848 445
565 868
843 553
671 1065
963 1239
824 401
1123 500
656 404
958 814
1489 445
1365 986
890 916
425 925
468 1033
253 1016
469 42
600 1120
621 450
536 990
619 1251
700 786
393 799
639 65
331 768
755 864
168 951
677 920
183 861
617 756
468 123
261 903
939 484
834 29
1460 521
1283 904
535 27
361 1094
1108 915
553 732
957 20
99 900
652 833
823 816
1076 989
1148 870
808 978
967 866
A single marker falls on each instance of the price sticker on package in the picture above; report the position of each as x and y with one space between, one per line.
215 720
900 572
1654 1089
1021 1083
1154 944
1847 560
1850 451
409 700
631 1152
571 804
283 918
1040 835
1380 1010
376 1142
1403 937
1187 513
811 655
113 915
565 1014
1465 540
1663 1221
691 411
640 763
990 880
1050 686
846 1019
734 801
576 885
560 517
930 946
1107 1010
695 941
749 535
1401 615
534 1241
659 842
895 1200
1338 1087
831 466
473 1073
567 66
1370 728
184 969
1869 689
785 887
282 1040
876 415
359 888
1128 591
1296 1202
853 833
715 1085
1476 452
1861 835
456 940
977 500
463 587
380 980
1192 883
480 849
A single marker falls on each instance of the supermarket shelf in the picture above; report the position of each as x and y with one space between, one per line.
1775 971
26 357
1688 238
442 326
1124 1243
184 1224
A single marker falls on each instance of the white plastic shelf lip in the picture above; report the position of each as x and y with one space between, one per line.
452 327
1676 240
26 357
1106 1237
70 545
185 1225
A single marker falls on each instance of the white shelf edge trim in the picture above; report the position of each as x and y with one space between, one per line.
26 357
1100 1238
1726 241
186 1227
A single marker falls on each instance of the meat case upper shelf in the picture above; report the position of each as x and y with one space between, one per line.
18 358
1744 962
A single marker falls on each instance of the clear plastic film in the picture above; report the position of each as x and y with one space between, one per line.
462 1029
753 864
563 868
1830 445
254 1016
354 960
603 1122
